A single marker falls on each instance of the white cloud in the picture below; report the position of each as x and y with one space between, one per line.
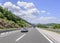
21 3
17 10
8 4
44 20
29 12
29 6
43 11
29 17
26 5
30 9
11 6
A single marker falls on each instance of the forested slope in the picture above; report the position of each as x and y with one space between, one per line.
9 20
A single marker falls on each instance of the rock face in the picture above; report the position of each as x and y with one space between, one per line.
1 24
4 24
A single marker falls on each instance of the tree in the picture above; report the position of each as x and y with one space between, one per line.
1 15
1 9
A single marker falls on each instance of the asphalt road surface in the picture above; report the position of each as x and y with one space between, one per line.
33 36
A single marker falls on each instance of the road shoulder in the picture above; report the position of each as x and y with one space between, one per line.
55 37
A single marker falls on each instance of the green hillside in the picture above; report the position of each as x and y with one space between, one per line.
9 20
50 25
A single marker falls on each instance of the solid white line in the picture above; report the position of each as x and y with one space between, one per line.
20 37
45 37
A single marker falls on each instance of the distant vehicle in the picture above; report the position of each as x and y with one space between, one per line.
24 30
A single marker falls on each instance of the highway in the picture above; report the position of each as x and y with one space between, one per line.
33 36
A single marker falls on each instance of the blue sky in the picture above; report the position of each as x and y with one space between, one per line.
35 11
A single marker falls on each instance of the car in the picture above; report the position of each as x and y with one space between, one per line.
24 30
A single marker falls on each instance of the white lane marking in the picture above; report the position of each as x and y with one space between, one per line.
45 37
20 37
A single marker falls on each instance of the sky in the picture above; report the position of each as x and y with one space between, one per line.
34 11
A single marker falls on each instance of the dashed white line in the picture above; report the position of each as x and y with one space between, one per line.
20 37
46 37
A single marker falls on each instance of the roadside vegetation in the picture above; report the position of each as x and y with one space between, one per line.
51 25
9 20
57 26
41 26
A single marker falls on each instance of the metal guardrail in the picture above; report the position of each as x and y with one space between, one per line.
55 30
50 29
2 31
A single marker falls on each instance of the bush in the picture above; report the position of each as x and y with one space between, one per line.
41 26
57 26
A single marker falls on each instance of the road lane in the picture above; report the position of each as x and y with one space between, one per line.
10 38
33 37
45 36
20 37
